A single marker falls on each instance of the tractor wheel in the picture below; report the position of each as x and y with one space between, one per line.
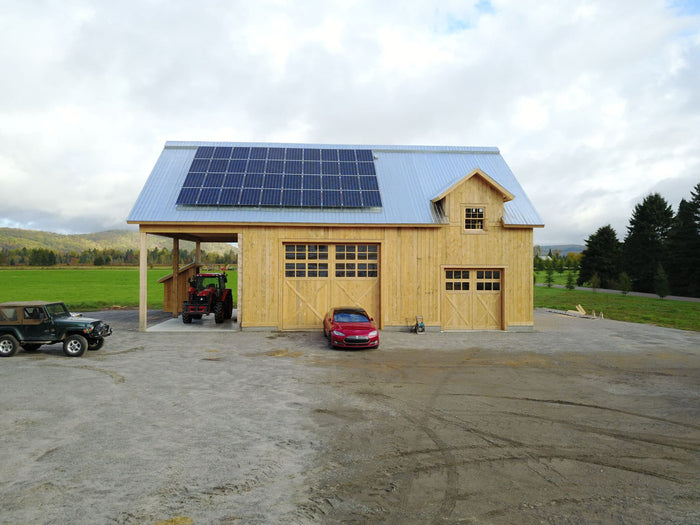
75 345
186 317
228 310
219 312
8 345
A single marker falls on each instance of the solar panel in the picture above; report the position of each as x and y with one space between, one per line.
209 196
291 197
331 199
271 197
213 180
371 199
278 176
222 153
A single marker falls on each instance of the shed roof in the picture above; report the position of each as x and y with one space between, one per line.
409 178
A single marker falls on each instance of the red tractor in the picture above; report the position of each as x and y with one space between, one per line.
208 294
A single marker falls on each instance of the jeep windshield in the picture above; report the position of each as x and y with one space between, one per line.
58 310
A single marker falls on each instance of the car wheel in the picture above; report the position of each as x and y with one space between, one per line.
96 344
75 345
8 345
30 347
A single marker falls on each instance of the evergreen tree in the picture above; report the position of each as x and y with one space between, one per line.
549 277
602 256
683 252
625 284
570 284
661 282
644 245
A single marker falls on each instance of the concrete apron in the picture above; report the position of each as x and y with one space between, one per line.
206 323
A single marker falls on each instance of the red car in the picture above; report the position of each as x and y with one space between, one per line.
350 327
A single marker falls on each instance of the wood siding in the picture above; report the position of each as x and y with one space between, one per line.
412 261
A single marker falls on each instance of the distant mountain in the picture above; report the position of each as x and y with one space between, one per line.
563 248
121 240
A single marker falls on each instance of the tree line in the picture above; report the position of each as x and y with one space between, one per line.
109 257
659 254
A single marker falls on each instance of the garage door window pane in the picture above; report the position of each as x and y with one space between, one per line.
457 280
289 270
488 280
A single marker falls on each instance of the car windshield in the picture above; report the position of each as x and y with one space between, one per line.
350 317
58 310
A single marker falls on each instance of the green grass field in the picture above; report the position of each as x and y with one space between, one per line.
87 288
96 288
662 312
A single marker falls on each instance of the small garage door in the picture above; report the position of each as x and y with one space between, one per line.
319 276
471 299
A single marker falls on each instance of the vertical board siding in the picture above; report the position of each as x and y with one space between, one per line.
411 266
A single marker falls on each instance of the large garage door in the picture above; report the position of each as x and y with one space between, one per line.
471 299
318 276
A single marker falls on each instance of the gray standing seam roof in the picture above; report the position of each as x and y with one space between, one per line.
409 178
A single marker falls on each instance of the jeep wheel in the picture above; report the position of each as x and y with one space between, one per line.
8 345
96 344
186 318
219 312
30 347
75 345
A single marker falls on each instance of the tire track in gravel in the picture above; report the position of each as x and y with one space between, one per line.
117 378
583 405
449 464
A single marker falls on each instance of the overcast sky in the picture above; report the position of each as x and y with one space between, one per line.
593 104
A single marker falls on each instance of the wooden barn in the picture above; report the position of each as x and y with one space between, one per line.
444 233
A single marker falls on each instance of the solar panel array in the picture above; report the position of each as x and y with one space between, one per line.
281 177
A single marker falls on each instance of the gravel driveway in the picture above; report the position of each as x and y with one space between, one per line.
581 420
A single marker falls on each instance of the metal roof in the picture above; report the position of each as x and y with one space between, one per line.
408 176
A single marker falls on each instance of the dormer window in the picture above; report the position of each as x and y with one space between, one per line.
474 218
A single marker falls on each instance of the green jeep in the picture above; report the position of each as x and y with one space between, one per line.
35 323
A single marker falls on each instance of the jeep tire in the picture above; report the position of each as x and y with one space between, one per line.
8 345
96 344
75 345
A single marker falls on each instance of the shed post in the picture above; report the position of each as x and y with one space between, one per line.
176 275
143 282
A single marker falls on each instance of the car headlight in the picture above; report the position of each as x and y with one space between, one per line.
339 334
373 333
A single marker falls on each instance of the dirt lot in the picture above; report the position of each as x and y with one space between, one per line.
578 421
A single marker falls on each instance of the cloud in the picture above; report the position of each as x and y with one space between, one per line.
593 104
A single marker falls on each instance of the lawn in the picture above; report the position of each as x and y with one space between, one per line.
559 278
662 312
86 288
